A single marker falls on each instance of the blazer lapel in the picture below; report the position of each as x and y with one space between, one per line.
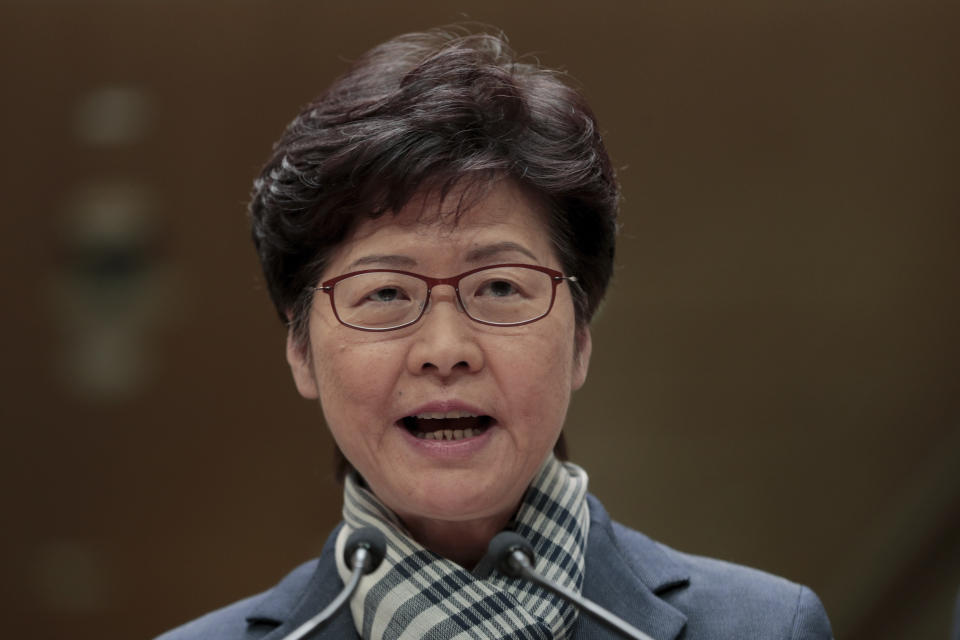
302 595
625 577
625 572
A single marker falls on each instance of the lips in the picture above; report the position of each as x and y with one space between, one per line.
446 425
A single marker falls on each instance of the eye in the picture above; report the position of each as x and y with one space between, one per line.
387 294
497 289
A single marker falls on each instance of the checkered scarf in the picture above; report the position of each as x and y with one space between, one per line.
417 594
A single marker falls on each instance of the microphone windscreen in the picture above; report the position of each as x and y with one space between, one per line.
371 539
502 547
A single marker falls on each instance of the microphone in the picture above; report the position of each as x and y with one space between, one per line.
512 556
363 553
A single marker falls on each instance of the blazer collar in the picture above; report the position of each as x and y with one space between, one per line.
626 573
302 594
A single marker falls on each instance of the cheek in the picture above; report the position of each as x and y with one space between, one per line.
355 383
537 379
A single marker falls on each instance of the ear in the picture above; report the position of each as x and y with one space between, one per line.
581 359
301 366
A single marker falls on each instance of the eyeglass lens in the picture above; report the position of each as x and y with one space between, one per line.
499 295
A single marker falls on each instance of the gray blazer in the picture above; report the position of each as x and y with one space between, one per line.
667 594
955 634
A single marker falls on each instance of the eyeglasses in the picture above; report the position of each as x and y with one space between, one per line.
503 295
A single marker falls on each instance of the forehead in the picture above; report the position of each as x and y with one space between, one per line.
505 222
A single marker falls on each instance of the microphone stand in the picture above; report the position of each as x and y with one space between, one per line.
364 551
517 562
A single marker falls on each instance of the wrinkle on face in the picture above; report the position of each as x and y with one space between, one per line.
523 375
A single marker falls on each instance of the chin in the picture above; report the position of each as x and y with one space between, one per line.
455 503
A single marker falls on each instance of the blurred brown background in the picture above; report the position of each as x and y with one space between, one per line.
775 377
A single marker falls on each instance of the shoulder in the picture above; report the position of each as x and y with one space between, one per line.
956 620
228 622
718 599
248 618
749 603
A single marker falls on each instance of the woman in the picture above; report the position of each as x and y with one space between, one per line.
437 230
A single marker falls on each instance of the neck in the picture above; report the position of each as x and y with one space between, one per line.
464 542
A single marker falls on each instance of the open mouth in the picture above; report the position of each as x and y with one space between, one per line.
452 425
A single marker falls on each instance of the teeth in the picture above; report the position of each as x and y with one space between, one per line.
440 415
448 434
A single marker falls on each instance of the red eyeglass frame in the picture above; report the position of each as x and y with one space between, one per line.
454 281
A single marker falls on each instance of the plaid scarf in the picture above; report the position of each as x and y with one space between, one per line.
418 594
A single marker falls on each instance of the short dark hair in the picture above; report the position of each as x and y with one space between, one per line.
428 113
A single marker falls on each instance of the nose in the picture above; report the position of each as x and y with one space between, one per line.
445 342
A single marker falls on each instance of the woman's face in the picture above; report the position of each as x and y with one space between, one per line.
375 387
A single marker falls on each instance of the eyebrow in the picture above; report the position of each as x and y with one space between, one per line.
492 250
474 255
384 260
